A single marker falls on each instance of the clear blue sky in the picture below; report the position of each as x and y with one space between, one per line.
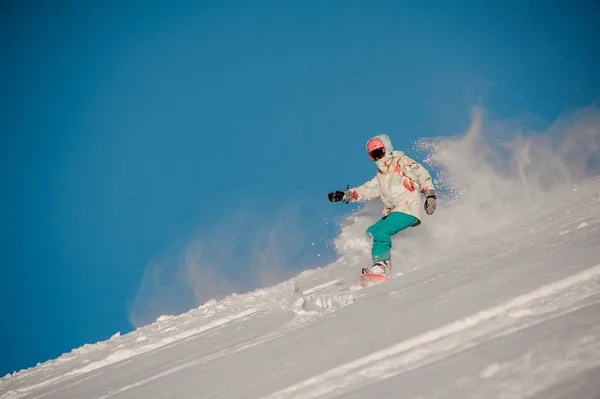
129 126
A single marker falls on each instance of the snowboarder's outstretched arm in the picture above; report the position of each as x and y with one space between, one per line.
367 192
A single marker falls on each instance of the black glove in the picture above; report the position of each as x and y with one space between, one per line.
429 201
337 196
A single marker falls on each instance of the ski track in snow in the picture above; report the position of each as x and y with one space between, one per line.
447 339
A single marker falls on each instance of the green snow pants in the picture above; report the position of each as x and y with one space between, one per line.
382 231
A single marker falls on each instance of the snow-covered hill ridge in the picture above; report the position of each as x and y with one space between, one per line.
307 338
497 295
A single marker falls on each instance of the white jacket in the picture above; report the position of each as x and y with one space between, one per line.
398 183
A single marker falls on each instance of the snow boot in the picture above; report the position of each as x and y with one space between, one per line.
383 267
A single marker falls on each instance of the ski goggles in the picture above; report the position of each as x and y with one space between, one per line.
377 154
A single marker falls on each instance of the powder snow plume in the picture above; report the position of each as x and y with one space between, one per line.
492 175
246 250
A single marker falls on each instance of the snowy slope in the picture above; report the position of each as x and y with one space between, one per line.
492 299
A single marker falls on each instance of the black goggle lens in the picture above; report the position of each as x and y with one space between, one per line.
377 154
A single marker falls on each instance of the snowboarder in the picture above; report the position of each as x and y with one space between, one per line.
398 183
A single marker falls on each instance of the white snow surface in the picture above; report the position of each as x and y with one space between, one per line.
496 296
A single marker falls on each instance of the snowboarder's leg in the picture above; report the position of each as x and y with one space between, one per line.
381 233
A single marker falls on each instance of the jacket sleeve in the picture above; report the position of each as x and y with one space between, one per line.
418 173
367 192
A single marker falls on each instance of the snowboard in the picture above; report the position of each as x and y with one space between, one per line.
370 279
